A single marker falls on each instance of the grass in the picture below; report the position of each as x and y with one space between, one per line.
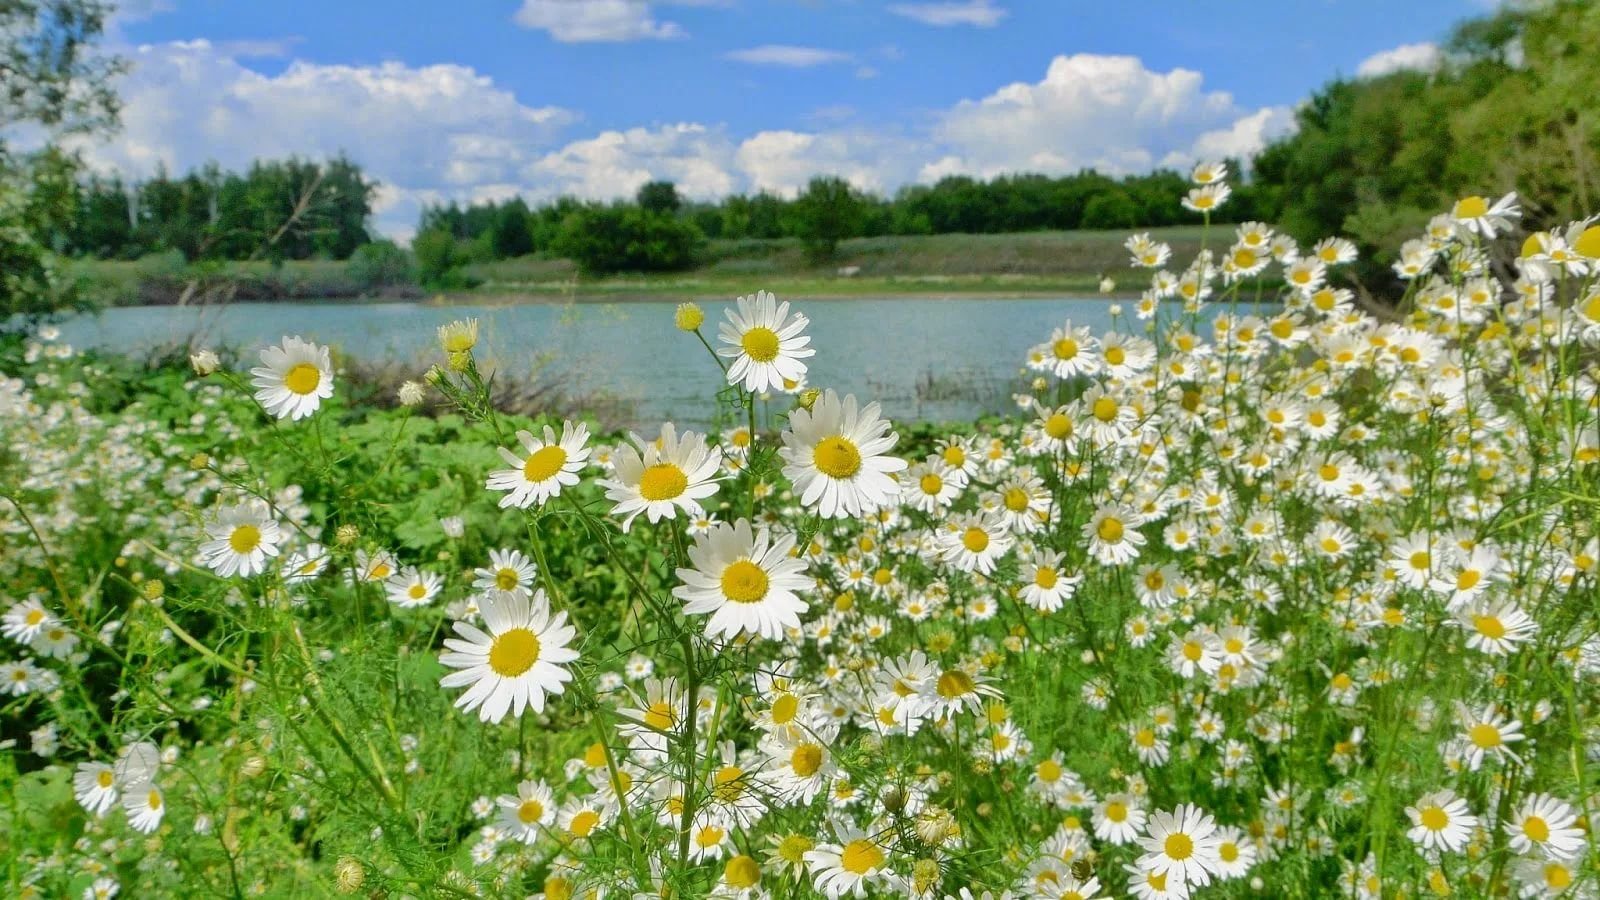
1021 264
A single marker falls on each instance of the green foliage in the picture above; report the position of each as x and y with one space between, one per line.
658 197
379 265
1112 209
439 259
827 212
621 238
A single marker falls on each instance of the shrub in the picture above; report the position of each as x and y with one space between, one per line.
379 265
603 240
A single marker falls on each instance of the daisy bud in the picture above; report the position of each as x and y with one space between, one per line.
894 799
808 397
252 767
349 875
347 535
688 317
461 361
153 590
199 461
205 362
435 376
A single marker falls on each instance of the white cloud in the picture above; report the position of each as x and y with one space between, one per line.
788 55
438 133
615 163
1105 112
1423 57
580 21
980 13
434 127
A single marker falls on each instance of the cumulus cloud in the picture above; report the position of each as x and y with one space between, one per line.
790 56
1423 57
1104 112
433 134
980 13
438 127
580 21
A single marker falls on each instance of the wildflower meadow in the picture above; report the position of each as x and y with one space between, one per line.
1267 590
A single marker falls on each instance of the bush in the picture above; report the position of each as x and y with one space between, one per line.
628 239
1112 209
380 264
437 257
828 212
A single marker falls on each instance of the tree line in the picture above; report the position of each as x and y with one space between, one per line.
659 230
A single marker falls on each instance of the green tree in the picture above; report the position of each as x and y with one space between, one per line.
829 211
53 83
511 236
1110 209
659 197
602 240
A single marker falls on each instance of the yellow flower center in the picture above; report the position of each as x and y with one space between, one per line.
1058 426
1049 771
584 823
955 683
728 783
1471 207
544 463
1228 850
513 652
1065 348
530 811
1105 409
105 779
955 456
760 344
659 715
1536 828
861 857
595 756
784 709
742 872
1489 626
1557 876
35 616
1434 818
931 484
1244 258
806 760
1110 530
303 379
1017 499
1116 356
506 579
417 591
975 540
1178 846
837 457
1484 736
1419 559
793 848
244 538
1117 812
1468 579
1192 651
744 582
663 481
153 799
1046 577
1157 880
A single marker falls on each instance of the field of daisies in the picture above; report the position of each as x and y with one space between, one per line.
1257 593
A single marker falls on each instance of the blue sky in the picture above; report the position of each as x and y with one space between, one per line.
477 99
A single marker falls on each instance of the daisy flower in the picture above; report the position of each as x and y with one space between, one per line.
1070 352
1495 628
411 587
145 804
549 464
242 537
293 379
1113 534
1181 844
850 866
509 572
670 473
95 787
834 455
975 543
1476 215
1441 821
517 663
1547 824
1487 734
304 565
1045 584
530 809
26 620
930 487
765 343
746 580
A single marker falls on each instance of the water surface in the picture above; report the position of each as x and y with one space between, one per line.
940 360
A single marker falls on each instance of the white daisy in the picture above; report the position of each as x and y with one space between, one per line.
672 471
509 571
411 587
1181 844
523 814
549 464
517 663
24 621
745 579
1441 821
95 787
833 454
293 379
145 805
242 537
304 565
765 343
850 866
1548 825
